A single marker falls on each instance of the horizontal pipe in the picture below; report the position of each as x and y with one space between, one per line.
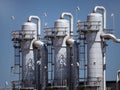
110 36
38 24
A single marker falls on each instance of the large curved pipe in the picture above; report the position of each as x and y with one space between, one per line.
38 44
71 20
38 24
70 41
103 12
110 36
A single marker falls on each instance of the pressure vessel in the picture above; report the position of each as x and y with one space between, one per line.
94 50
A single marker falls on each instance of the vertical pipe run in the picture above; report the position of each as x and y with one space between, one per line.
42 54
71 21
74 67
103 12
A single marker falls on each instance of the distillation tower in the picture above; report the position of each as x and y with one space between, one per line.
34 55
94 30
58 61
66 70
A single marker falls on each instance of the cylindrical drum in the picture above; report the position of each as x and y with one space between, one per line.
60 57
29 31
94 50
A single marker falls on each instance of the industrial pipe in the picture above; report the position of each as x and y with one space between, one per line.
103 12
42 69
74 63
70 41
71 20
38 24
38 44
110 36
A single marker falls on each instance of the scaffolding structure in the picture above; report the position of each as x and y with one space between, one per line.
17 68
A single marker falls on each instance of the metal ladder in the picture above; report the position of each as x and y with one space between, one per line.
82 59
17 62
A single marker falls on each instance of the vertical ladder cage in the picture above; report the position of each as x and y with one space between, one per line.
49 41
82 30
17 68
83 58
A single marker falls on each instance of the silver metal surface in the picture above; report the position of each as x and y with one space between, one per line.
94 50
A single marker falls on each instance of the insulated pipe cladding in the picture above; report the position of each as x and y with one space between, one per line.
103 13
62 72
71 21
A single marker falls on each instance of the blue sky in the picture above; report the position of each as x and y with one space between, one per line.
22 9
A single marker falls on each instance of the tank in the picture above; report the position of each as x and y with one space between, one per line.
60 57
94 50
29 31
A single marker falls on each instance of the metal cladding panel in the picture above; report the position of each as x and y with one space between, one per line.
41 65
62 26
94 49
28 70
60 62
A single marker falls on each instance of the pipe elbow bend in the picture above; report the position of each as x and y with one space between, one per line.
38 44
70 41
110 36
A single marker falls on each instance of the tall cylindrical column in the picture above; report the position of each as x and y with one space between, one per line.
94 50
28 71
60 57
